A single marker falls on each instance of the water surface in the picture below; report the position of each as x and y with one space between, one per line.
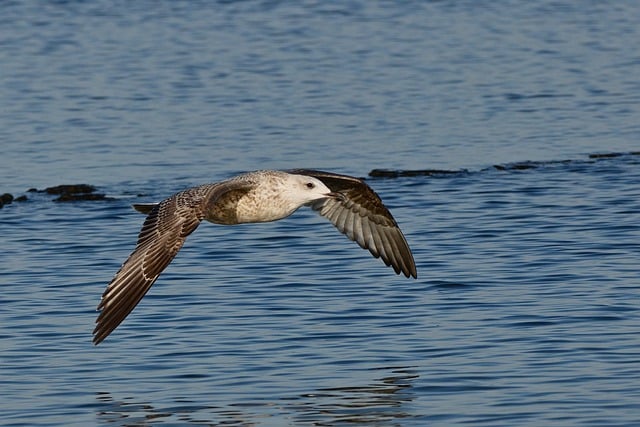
526 308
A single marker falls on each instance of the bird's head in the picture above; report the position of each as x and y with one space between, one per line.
307 189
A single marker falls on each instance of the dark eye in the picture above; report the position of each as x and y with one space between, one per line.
310 185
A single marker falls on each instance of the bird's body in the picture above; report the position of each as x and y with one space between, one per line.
261 196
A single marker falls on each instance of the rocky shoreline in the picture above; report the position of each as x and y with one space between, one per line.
516 166
84 192
65 193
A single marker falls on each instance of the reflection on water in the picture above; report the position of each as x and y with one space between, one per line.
378 403
381 401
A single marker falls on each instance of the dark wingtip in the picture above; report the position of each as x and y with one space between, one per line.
97 339
414 271
410 273
98 335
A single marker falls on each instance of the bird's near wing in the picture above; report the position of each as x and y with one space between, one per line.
360 214
163 233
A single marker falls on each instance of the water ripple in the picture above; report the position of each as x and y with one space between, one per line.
525 311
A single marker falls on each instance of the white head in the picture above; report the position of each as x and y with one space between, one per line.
306 189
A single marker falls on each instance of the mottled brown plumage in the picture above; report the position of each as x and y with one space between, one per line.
348 202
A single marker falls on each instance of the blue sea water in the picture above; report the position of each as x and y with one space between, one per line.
525 311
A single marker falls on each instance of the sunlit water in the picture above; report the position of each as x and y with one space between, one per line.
526 309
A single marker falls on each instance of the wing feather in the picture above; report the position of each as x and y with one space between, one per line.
163 233
360 214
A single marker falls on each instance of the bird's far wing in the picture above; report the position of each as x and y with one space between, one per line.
363 218
162 235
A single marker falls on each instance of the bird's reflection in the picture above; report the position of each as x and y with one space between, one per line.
382 401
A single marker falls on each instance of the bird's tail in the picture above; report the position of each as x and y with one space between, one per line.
144 208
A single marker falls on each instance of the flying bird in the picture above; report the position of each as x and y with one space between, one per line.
260 196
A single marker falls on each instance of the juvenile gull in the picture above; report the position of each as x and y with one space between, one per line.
261 196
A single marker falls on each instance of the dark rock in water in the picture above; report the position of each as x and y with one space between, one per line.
604 155
72 192
612 155
74 197
5 199
70 189
517 166
22 198
521 166
394 173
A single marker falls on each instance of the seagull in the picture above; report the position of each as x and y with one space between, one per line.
260 196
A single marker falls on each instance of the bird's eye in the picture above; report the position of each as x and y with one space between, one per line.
310 185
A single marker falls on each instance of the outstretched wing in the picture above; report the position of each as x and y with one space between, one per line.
360 214
162 235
